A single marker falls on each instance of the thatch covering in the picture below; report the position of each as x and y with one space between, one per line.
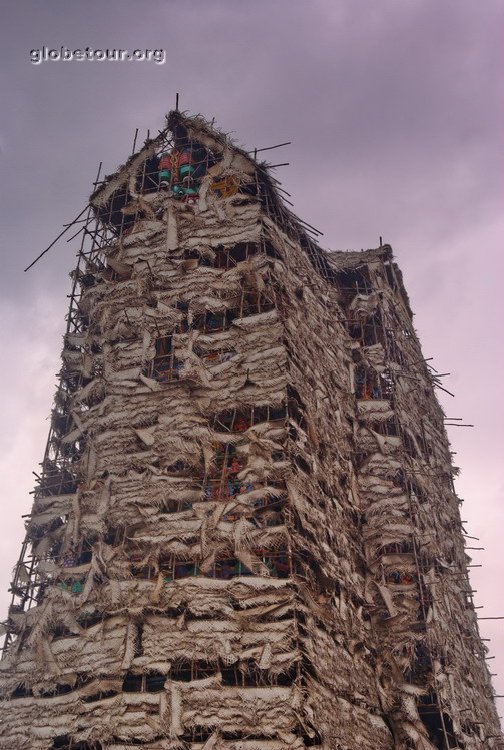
246 534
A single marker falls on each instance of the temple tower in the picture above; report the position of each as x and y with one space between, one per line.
245 534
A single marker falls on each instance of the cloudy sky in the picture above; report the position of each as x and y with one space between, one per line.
394 110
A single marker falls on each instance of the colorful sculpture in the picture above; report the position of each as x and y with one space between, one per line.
177 169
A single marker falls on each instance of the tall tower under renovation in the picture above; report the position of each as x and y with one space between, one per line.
245 533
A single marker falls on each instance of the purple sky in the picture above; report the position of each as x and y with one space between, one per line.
395 113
